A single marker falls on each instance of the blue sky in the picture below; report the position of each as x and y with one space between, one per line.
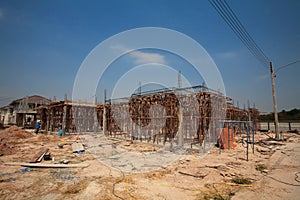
43 44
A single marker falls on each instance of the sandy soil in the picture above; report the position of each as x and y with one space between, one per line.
272 172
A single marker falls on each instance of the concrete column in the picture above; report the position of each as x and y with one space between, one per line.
64 118
95 119
180 131
104 120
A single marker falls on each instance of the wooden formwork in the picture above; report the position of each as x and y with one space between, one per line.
188 116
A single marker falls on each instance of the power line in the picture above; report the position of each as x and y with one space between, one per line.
291 63
246 33
230 18
236 26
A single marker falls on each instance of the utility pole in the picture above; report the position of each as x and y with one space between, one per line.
274 101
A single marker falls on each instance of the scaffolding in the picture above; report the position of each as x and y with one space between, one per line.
245 128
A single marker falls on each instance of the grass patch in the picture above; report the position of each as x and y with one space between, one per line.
241 181
260 167
214 194
219 192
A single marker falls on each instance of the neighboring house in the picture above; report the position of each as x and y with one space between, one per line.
6 115
21 112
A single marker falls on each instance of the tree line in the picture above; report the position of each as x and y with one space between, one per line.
292 115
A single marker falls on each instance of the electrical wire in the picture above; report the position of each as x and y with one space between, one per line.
236 26
117 182
286 183
279 68
296 178
245 32
280 181
240 33
230 18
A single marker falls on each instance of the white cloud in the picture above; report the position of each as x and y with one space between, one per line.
143 57
227 55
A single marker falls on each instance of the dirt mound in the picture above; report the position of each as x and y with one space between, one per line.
15 132
10 137
48 138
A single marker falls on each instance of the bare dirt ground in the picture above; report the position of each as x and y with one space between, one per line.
272 172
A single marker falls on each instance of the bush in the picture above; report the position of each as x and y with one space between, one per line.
261 167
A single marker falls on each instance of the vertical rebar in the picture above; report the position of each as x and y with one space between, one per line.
104 115
247 140
253 136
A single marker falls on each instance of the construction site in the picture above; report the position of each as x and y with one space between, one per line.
180 143
149 100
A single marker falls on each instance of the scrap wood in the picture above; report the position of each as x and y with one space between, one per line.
39 165
270 142
193 175
267 135
39 156
71 141
265 152
234 184
219 167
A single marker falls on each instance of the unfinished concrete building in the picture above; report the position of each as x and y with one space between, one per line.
70 116
177 116
21 112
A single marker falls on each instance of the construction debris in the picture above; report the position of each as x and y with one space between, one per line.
193 175
39 156
218 174
40 165
77 147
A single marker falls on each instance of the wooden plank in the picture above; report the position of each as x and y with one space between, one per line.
39 165
77 147
39 156
193 175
